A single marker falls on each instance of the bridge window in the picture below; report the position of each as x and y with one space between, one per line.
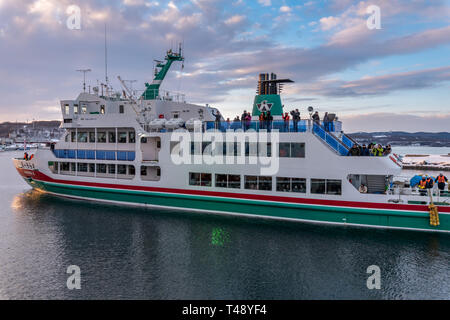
102 109
101 137
122 137
82 137
75 109
111 137
121 109
66 109
92 137
131 137
83 109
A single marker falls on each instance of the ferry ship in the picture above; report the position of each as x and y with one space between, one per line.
155 149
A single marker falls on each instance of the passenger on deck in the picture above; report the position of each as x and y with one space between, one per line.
316 117
262 116
354 151
218 116
295 118
430 183
362 188
25 156
441 180
286 121
269 120
377 150
387 150
422 186
365 151
248 121
243 117
228 123
326 122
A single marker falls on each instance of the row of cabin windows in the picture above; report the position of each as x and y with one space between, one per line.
83 109
66 167
283 184
103 168
287 149
102 137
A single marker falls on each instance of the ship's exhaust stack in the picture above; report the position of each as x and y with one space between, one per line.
268 95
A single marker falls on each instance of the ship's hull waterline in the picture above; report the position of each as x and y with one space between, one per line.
377 215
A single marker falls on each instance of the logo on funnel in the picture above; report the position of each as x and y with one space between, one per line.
264 106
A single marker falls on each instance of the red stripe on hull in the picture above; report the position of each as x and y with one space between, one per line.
339 203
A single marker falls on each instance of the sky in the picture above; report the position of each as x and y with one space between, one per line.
392 78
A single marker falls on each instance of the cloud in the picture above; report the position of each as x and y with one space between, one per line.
285 9
265 3
328 23
380 85
376 122
235 19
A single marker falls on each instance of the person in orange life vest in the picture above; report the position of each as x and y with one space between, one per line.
422 185
286 121
441 180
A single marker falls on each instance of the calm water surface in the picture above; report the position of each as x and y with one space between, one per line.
138 253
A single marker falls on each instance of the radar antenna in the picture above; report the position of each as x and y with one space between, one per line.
84 77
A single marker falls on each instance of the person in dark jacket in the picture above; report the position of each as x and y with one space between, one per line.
218 117
365 151
269 119
316 117
295 118
326 122
354 151
430 183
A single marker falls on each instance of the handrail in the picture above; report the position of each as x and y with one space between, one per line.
330 139
349 141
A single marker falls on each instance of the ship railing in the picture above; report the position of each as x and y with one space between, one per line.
330 139
256 125
163 95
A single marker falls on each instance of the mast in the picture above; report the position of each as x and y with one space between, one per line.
106 59
161 69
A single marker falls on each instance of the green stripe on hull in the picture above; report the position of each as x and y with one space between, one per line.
317 213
